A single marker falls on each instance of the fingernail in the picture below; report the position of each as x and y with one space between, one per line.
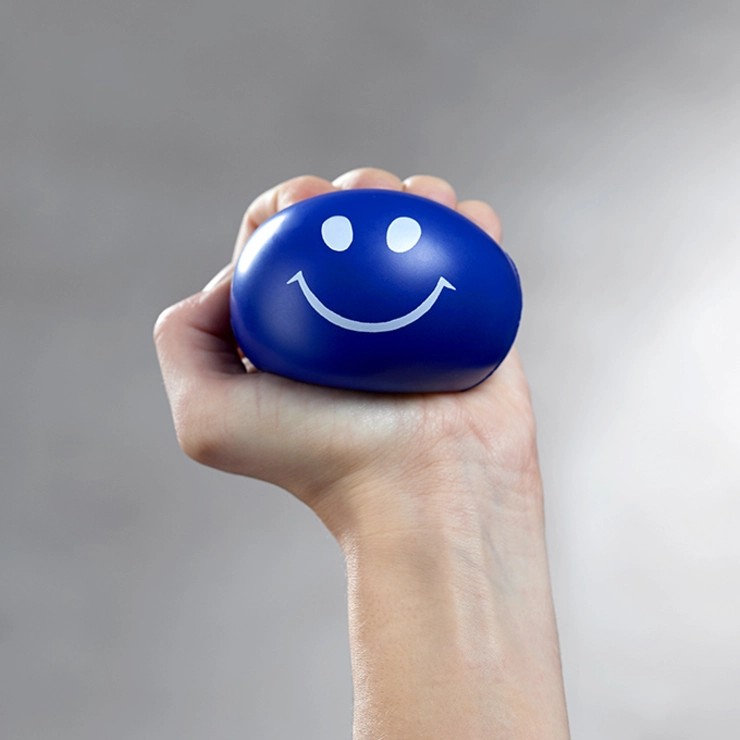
219 277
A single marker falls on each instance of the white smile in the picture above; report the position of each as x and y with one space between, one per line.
369 326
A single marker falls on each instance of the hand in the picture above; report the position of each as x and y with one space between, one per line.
332 448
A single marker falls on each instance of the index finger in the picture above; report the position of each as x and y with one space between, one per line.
275 199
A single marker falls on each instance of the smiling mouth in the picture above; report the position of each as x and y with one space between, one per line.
370 326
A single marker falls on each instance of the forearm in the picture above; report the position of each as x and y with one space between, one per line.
452 628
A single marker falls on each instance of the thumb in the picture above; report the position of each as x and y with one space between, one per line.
199 361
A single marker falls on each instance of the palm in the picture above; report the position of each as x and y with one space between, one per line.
315 436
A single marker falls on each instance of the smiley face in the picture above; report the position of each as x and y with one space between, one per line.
403 234
375 290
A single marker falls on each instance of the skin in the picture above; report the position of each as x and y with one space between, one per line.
436 501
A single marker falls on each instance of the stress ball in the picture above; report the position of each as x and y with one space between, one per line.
375 290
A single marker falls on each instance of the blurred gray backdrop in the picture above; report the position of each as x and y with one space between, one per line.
143 596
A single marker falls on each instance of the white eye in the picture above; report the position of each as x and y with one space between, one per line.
337 233
403 233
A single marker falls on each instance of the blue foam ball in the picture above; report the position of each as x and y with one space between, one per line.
375 290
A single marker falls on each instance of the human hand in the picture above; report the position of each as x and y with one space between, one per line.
332 448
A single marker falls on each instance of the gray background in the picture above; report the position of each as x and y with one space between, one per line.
142 596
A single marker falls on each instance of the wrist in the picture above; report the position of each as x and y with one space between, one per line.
461 530
455 501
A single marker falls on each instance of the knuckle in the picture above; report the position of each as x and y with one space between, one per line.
298 189
483 214
200 437
163 322
247 221
172 316
194 444
441 183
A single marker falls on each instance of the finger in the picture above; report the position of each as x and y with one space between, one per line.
482 215
367 177
194 337
276 199
434 188
202 372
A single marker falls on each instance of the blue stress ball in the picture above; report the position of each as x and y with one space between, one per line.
375 290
